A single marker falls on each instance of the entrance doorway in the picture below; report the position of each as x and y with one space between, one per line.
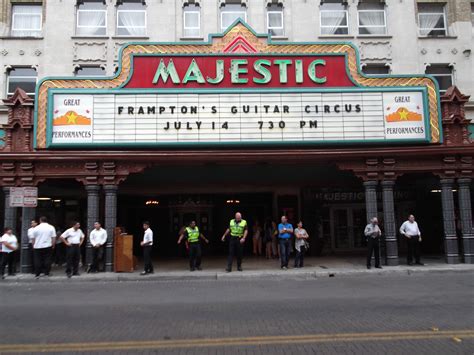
347 227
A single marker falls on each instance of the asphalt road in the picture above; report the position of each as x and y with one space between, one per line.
394 314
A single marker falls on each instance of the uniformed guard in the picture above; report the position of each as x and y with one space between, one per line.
238 231
192 235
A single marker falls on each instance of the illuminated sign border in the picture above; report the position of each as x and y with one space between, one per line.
219 45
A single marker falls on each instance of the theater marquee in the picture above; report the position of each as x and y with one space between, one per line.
240 88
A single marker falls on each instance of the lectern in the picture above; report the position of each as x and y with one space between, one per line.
123 251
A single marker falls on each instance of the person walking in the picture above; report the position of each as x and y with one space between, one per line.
31 237
301 239
257 239
73 239
193 235
9 245
285 230
238 231
44 239
409 229
147 245
373 233
97 238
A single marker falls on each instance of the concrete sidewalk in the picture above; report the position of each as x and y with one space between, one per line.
254 268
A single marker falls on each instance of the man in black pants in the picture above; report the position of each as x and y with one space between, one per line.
147 245
44 239
238 231
192 235
73 239
372 233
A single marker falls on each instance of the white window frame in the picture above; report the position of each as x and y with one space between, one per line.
77 22
445 28
370 26
232 12
282 27
21 76
13 29
191 28
321 21
117 24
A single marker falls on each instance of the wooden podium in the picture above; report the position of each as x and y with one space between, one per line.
123 251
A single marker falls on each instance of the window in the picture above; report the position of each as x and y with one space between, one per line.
431 20
230 13
333 18
191 21
26 20
371 19
443 75
275 20
23 78
376 69
131 19
91 19
90 71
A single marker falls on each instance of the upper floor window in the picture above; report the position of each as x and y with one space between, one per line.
91 70
230 13
371 18
131 18
432 19
23 78
443 75
376 69
91 19
275 25
191 20
26 20
334 18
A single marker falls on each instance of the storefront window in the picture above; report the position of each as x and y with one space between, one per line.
91 19
26 20
131 19
191 21
334 19
23 78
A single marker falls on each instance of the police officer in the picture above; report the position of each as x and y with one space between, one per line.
192 234
238 231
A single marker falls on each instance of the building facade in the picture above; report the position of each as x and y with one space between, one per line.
372 135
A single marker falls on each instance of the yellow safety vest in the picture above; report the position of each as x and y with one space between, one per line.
237 230
193 234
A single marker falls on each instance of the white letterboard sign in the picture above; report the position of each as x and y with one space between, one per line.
141 119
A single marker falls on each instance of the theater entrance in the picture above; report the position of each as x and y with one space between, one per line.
347 225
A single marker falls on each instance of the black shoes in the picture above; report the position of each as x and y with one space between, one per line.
420 263
228 270
368 267
192 269
239 269
69 276
378 267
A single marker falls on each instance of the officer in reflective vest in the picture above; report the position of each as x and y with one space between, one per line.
192 234
238 232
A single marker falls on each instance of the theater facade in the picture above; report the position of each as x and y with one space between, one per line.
242 123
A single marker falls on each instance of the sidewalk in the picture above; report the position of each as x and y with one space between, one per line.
254 268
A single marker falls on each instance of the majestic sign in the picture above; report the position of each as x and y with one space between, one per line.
238 89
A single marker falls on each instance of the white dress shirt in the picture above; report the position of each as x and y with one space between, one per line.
31 235
98 237
410 228
44 234
73 236
10 239
148 236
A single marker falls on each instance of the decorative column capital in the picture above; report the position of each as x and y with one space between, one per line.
371 184
91 189
462 182
388 184
446 182
110 189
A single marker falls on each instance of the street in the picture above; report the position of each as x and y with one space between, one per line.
429 313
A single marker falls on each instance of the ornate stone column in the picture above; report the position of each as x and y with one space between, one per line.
110 224
450 238
371 198
465 213
10 212
390 229
27 215
92 216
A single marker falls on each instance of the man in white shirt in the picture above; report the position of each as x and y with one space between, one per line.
73 238
44 239
372 232
9 245
147 245
31 236
409 229
97 238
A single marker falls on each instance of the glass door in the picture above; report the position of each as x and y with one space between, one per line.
347 227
